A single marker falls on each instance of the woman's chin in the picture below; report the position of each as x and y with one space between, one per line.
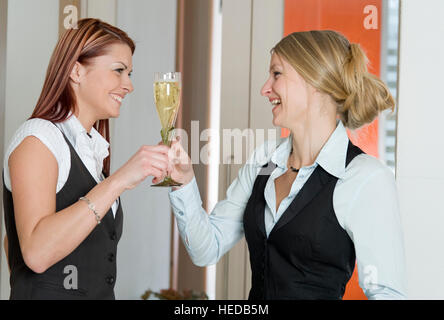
115 113
276 122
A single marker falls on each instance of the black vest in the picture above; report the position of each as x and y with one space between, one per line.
307 254
94 259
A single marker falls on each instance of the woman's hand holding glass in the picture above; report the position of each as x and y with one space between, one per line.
147 161
180 164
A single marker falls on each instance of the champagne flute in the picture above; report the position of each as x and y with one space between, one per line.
167 99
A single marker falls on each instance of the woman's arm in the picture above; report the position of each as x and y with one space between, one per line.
208 237
374 224
47 236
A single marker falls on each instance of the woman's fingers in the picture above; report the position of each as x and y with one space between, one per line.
158 165
161 148
158 175
177 153
159 157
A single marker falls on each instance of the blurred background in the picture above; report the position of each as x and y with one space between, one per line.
222 48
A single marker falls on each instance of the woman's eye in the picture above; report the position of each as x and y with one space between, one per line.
120 71
276 74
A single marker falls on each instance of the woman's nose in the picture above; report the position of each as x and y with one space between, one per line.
266 88
128 86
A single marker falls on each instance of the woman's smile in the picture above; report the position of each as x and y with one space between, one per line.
276 103
117 98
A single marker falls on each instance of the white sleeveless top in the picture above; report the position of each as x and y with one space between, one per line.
91 150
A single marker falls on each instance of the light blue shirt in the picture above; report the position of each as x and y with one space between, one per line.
365 201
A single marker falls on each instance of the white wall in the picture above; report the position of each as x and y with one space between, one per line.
143 258
32 35
32 29
420 153
3 30
104 10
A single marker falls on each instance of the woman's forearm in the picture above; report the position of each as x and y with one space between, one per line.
208 237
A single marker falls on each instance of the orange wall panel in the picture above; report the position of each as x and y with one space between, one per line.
347 17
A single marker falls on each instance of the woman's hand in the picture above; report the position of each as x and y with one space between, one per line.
180 163
147 161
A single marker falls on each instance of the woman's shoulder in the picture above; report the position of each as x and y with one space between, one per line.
42 129
367 181
365 167
51 136
36 126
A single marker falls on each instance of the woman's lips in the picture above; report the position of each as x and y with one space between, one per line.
116 98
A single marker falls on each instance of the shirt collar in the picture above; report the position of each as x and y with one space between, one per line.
331 158
334 153
79 138
280 156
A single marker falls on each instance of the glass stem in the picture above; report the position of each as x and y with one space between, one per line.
166 133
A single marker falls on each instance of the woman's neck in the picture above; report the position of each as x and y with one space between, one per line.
307 142
85 120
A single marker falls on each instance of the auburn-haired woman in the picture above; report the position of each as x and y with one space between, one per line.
313 203
62 210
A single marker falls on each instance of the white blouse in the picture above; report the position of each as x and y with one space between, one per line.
91 150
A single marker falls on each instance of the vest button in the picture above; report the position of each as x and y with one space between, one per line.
111 257
113 236
109 279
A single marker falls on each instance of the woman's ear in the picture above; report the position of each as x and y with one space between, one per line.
76 73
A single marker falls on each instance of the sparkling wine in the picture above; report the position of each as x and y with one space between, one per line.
167 99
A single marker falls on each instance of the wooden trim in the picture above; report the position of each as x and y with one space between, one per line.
174 247
62 15
193 60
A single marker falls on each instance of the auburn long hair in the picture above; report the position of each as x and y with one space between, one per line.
91 38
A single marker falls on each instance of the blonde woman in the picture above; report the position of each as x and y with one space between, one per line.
314 204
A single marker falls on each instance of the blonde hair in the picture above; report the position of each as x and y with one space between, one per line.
333 65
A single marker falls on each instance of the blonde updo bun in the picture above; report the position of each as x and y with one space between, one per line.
328 61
